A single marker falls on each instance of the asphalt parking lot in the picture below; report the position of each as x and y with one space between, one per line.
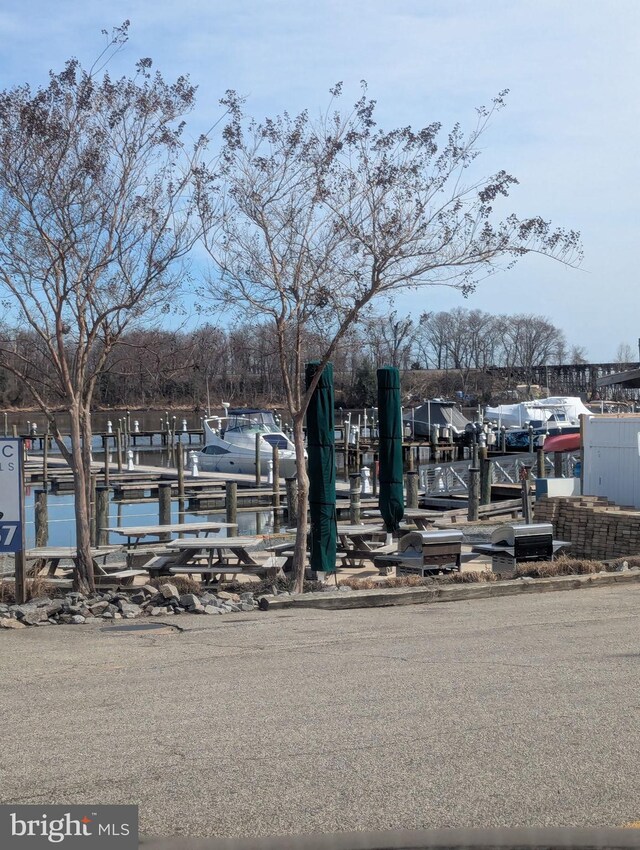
519 711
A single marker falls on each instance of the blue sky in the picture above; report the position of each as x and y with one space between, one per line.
570 133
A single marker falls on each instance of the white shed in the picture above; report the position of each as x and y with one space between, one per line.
611 468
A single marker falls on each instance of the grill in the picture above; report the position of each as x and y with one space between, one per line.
420 552
516 543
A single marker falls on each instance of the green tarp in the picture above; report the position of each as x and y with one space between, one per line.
391 495
322 470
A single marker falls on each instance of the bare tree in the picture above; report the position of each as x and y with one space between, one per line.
625 354
321 217
94 213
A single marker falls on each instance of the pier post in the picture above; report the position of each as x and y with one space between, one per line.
92 509
231 506
45 460
292 500
474 494
540 468
41 517
485 475
355 484
164 507
412 489
557 464
276 477
180 468
526 496
102 514
374 475
258 467
119 447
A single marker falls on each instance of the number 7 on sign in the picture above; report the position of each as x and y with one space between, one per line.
9 531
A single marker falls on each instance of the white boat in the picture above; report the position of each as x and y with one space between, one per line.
230 443
555 409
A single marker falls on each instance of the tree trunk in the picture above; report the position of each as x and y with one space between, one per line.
300 550
83 580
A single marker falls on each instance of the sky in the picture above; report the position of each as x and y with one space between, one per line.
569 134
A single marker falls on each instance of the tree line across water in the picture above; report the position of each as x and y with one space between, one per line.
201 367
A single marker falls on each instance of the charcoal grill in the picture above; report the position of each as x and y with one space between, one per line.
518 543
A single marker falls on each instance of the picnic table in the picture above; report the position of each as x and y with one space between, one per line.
358 543
208 557
135 534
49 557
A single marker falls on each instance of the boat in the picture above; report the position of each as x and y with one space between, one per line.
438 412
563 442
559 410
230 443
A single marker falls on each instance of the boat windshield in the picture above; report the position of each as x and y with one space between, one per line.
261 422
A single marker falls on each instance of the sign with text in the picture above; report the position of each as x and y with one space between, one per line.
31 827
10 494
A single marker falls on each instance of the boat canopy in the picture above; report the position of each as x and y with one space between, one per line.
565 409
436 412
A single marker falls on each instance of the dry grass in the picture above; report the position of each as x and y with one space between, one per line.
36 588
417 581
183 584
562 566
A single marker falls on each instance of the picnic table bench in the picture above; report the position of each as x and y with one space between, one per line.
49 557
211 558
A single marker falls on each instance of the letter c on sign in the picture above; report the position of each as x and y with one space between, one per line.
7 451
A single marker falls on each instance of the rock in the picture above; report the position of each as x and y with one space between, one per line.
66 618
246 606
54 607
169 591
158 611
129 609
77 620
117 615
31 615
139 598
235 608
4 609
107 615
211 609
191 602
99 608
40 601
74 609
224 594
11 624
53 621
149 589
246 597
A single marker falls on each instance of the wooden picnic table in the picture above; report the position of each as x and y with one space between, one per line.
49 557
139 532
208 557
357 543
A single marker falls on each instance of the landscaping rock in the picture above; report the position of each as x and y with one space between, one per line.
223 594
246 597
158 611
169 591
128 609
11 624
54 607
30 615
212 609
246 606
77 620
99 608
107 615
191 602
140 598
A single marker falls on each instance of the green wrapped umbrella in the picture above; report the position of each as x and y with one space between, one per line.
391 493
322 470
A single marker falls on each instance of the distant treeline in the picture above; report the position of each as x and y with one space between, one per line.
240 364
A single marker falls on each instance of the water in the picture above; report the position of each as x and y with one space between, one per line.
62 519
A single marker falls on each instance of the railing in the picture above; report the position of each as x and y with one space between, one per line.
453 478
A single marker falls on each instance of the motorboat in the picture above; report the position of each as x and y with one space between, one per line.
555 410
230 443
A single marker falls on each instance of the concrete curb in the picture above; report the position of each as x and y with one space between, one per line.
386 597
